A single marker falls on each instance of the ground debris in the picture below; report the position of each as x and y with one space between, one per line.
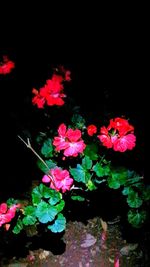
127 249
87 245
88 241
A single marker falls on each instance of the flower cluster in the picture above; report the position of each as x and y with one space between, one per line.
118 135
58 179
6 65
52 92
72 161
69 140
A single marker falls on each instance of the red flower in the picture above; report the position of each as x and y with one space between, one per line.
118 135
55 99
55 84
122 125
67 75
91 129
106 140
52 92
39 101
6 66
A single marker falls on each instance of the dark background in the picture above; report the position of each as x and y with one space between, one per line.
107 65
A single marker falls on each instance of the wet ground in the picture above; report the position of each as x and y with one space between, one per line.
91 244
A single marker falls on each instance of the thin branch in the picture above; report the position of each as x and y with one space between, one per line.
76 188
28 145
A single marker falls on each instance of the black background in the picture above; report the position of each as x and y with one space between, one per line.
107 61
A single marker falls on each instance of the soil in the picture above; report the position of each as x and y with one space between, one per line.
90 244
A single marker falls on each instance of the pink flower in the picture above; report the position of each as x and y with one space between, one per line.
91 129
3 208
60 141
6 215
61 178
106 140
116 263
69 140
46 179
74 148
126 142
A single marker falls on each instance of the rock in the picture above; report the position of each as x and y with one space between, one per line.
89 241
44 254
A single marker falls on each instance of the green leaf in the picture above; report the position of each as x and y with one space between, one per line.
136 218
29 210
87 177
36 196
86 163
100 170
45 191
45 169
146 193
59 224
113 183
47 148
45 212
55 197
131 174
30 215
29 220
18 227
91 186
79 198
11 201
60 206
120 175
40 137
78 173
133 200
91 151
127 190
78 121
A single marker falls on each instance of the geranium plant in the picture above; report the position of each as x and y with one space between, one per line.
71 155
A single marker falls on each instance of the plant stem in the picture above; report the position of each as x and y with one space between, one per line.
28 145
75 188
